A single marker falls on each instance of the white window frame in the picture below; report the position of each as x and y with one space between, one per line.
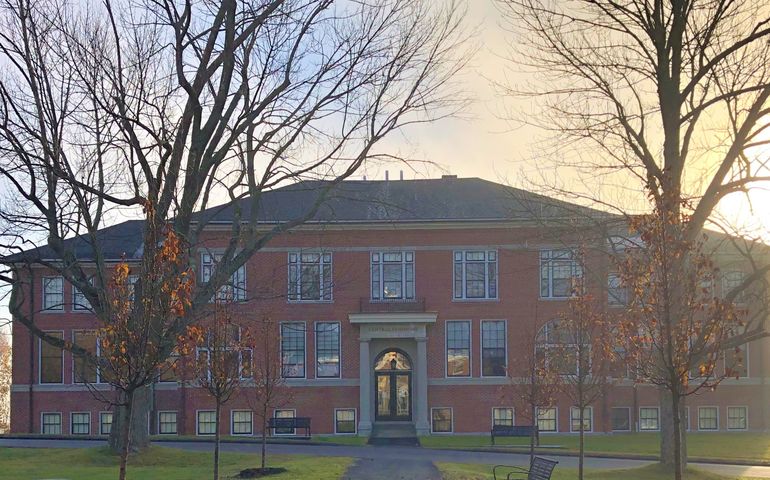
198 422
378 258
546 265
572 419
549 344
101 421
746 418
232 423
657 409
293 415
206 349
613 301
81 305
315 348
470 349
40 360
237 281
491 257
746 361
703 407
355 421
630 420
55 307
513 415
687 413
556 419
727 278
451 421
294 288
72 423
304 353
176 422
42 423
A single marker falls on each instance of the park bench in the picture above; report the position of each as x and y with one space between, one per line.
539 469
514 431
292 424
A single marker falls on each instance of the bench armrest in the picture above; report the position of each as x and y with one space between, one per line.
516 470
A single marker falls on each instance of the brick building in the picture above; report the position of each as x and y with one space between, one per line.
400 301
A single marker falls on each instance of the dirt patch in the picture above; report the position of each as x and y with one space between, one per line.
260 472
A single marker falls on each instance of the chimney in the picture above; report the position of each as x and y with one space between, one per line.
400 174
364 177
386 175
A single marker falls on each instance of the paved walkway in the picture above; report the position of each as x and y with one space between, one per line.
384 456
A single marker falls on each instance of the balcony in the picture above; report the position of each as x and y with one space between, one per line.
367 305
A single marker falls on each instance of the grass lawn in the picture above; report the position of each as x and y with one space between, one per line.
735 446
461 471
158 463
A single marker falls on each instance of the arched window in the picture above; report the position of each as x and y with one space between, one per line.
392 360
557 345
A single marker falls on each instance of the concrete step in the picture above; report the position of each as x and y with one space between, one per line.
394 433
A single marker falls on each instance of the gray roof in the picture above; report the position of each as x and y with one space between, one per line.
448 199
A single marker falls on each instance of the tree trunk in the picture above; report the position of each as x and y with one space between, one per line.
264 440
673 448
216 441
582 444
532 435
139 437
125 433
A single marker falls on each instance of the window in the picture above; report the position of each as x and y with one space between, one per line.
475 274
345 420
79 301
207 422
284 414
235 289
502 416
441 420
493 354
327 349
167 423
546 419
242 424
737 361
458 348
50 424
556 344
105 423
85 370
233 357
80 423
686 418
731 281
168 373
587 419
649 418
310 277
293 350
737 418
53 293
621 419
617 294
708 418
392 275
558 271
51 360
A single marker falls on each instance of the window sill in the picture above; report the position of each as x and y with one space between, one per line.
474 300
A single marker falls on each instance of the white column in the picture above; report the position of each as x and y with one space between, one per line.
422 425
365 390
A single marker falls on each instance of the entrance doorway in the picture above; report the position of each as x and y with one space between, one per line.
393 386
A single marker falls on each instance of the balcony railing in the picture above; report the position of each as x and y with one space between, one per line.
367 305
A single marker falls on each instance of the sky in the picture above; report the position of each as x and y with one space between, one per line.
484 143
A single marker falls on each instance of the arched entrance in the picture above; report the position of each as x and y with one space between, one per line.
393 386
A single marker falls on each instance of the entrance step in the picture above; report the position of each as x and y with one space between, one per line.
394 433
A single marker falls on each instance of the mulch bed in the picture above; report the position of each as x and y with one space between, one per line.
259 472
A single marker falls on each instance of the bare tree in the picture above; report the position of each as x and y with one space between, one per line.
535 381
270 389
667 98
174 107
585 349
5 383
222 361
